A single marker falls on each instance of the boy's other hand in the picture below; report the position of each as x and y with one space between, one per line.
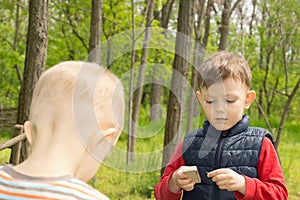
180 181
228 179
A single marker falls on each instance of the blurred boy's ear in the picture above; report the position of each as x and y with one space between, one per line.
199 97
108 132
251 95
27 130
112 134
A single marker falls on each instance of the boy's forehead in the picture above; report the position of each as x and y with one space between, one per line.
228 86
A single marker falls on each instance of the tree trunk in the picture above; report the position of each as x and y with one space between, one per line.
176 103
226 13
131 138
95 39
265 82
35 60
225 25
95 32
156 97
199 51
209 7
165 14
254 2
138 94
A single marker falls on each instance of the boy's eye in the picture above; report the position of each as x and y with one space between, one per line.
209 102
230 101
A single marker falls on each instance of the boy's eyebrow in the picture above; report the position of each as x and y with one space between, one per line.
209 95
232 95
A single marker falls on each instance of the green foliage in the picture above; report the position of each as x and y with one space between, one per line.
273 44
272 50
68 31
12 51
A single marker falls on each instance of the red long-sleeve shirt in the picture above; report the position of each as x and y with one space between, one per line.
270 184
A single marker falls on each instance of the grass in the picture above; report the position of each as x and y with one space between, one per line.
137 181
289 150
5 135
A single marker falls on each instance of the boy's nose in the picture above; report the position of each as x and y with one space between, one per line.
220 107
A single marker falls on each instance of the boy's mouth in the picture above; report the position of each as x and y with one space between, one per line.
220 119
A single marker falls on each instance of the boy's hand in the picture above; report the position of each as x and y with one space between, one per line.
180 181
228 179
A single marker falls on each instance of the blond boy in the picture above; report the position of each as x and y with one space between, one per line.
76 117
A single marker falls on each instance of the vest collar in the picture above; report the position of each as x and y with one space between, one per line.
241 126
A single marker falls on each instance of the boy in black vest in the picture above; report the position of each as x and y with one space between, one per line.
234 161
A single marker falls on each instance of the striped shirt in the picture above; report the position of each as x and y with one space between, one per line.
16 186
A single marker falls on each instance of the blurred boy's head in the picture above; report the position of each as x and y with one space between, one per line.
224 82
77 111
222 65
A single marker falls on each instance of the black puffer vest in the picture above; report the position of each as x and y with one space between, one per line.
209 149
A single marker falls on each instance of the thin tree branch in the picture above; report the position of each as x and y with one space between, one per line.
14 140
8 42
265 117
278 91
234 6
286 109
74 30
18 73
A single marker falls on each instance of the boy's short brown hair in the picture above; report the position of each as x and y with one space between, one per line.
223 65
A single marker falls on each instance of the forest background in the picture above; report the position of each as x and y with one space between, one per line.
179 35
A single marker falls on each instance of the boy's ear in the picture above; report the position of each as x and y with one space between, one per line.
27 130
250 98
199 97
109 132
112 134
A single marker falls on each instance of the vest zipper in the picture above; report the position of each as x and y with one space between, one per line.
218 161
219 153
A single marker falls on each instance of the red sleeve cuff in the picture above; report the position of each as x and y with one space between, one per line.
168 194
175 195
250 190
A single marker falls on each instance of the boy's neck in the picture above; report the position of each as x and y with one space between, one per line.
46 167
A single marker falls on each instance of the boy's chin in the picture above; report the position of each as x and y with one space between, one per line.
222 127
